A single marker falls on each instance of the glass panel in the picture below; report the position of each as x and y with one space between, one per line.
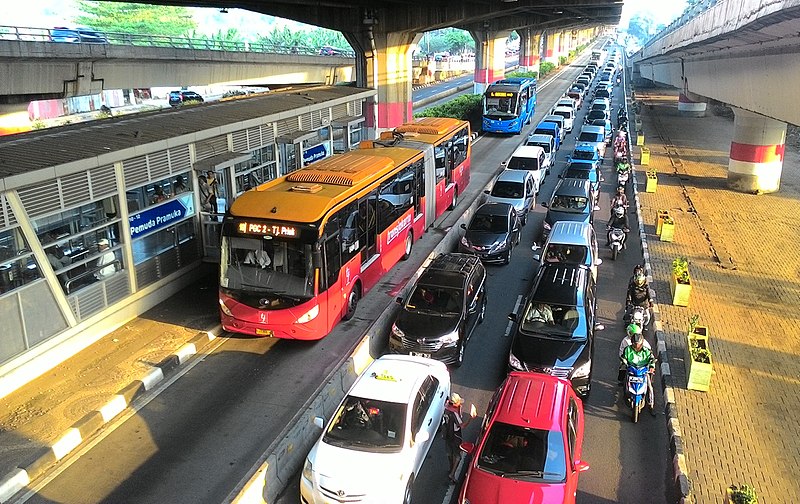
523 453
158 192
153 244
356 134
367 425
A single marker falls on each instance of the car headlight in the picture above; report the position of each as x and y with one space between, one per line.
308 470
516 363
397 332
547 226
224 308
583 370
497 246
309 315
464 241
450 339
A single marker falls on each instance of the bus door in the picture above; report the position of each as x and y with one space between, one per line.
430 180
215 193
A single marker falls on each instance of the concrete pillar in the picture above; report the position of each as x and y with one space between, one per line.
551 51
563 44
490 58
386 66
530 50
691 105
756 153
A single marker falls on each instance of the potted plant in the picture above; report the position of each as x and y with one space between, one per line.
680 285
652 179
696 330
741 494
660 216
668 231
698 359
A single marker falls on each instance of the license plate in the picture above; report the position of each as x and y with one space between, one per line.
264 332
420 354
636 379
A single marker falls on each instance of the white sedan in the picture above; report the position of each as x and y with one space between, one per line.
376 442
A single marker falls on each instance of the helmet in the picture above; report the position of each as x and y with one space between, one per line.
620 190
639 279
619 211
637 338
632 330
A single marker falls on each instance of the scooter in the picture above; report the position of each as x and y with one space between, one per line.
623 174
616 241
639 315
636 389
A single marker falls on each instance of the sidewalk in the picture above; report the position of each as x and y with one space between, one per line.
744 261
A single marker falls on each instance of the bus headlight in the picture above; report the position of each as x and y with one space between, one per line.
224 308
309 315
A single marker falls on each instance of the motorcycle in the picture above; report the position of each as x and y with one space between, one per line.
636 389
639 315
616 239
623 174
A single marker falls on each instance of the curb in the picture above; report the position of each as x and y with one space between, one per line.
679 466
93 421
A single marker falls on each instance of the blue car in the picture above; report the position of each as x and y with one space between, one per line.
549 128
585 152
77 35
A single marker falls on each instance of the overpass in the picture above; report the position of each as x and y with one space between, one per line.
743 53
33 67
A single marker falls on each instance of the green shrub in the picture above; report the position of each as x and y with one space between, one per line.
38 124
562 60
743 494
545 68
465 107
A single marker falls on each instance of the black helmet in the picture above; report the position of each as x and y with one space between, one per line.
637 338
639 279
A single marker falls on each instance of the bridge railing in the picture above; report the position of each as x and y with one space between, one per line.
27 34
687 15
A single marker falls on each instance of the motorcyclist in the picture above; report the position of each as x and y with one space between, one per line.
618 200
622 115
621 141
638 356
618 220
630 331
638 295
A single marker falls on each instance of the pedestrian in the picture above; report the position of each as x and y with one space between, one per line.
105 264
180 185
453 427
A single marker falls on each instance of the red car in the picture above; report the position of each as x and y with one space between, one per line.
530 445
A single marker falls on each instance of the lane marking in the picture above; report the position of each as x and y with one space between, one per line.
510 322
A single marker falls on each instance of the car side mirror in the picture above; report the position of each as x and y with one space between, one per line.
598 262
319 422
581 466
467 447
512 317
398 300
463 225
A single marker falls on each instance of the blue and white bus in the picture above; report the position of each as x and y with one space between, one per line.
509 104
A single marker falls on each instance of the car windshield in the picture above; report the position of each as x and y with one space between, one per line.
489 223
502 106
367 425
596 114
543 145
565 254
433 299
583 154
548 318
577 173
590 137
523 163
506 189
544 131
523 453
563 113
569 203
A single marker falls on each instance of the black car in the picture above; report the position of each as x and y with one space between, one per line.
442 310
572 200
492 232
177 98
595 114
554 332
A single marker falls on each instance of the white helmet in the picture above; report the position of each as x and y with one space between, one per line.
619 211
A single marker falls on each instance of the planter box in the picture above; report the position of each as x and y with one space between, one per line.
660 216
667 230
640 139
638 124
652 182
680 291
698 374
644 158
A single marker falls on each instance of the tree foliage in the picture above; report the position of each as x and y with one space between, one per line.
127 17
450 40
642 28
315 37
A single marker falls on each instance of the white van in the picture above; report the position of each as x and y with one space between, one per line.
568 113
548 144
558 120
530 158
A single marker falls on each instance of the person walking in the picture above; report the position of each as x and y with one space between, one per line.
105 263
453 427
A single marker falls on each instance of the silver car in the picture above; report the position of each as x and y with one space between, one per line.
518 188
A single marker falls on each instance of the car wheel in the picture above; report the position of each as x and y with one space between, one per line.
409 490
409 245
352 302
482 314
455 199
508 255
460 354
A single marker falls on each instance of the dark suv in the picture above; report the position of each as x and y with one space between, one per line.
554 332
572 200
177 98
442 310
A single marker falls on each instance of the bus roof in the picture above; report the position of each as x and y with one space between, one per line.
306 195
517 80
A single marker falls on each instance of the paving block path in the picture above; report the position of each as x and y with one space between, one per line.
744 259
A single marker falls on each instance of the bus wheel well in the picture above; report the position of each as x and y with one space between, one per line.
352 300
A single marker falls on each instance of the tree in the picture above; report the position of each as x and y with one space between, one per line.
127 17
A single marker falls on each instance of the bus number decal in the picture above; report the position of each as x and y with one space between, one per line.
394 232
262 317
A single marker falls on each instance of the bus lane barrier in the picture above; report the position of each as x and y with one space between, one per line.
286 455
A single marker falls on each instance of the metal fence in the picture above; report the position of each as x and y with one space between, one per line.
94 37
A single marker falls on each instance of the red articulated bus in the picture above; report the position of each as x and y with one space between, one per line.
298 252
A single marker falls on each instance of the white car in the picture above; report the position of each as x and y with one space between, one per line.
548 145
375 444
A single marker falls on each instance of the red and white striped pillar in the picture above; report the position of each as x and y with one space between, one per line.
490 58
551 50
530 50
691 105
756 158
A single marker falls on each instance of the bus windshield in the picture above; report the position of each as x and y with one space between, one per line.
500 106
278 271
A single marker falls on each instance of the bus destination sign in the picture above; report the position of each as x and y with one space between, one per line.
501 94
260 228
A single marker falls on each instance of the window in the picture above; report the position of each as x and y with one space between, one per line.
157 192
368 225
261 168
523 453
423 402
395 197
333 263
17 265
572 428
367 425
348 219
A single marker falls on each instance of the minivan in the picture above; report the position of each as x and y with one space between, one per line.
572 200
560 121
549 128
530 158
570 243
518 188
568 113
548 145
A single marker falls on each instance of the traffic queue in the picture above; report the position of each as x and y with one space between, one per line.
530 444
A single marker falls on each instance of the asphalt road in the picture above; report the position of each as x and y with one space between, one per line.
197 438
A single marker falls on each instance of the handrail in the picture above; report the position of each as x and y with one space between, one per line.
117 267
27 34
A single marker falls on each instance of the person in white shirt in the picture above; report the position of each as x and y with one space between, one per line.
106 261
259 257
